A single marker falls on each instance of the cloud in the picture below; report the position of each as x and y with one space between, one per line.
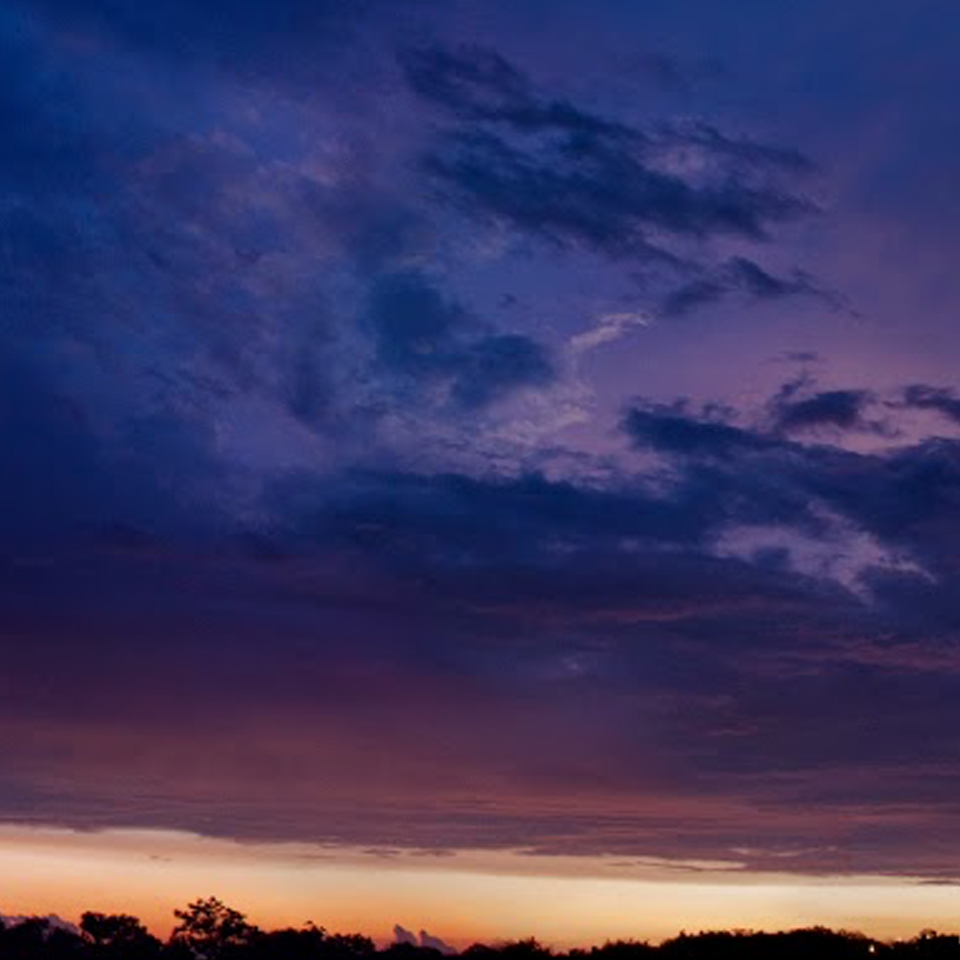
612 616
609 328
251 377
763 478
199 258
426 338
479 84
424 939
938 399
607 614
435 943
744 277
412 323
554 171
831 409
743 149
673 428
599 195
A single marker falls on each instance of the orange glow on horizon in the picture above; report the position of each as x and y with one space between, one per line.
462 898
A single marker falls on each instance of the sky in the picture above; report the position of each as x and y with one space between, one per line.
484 466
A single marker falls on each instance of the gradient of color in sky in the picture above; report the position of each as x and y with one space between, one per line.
488 466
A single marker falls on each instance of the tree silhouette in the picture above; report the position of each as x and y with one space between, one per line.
37 937
343 946
292 944
210 930
207 929
118 936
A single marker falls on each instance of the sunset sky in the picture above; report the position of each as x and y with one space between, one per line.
487 466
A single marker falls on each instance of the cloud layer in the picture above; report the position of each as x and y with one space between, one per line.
401 453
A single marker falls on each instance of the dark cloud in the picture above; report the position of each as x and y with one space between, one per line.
497 365
598 613
742 276
764 285
693 295
571 177
478 84
611 616
451 515
743 150
675 429
598 195
413 323
339 633
837 409
939 399
902 497
186 256
427 338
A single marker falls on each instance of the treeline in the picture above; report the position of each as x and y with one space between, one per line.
210 930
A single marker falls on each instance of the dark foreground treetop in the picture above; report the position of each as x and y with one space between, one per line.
210 930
